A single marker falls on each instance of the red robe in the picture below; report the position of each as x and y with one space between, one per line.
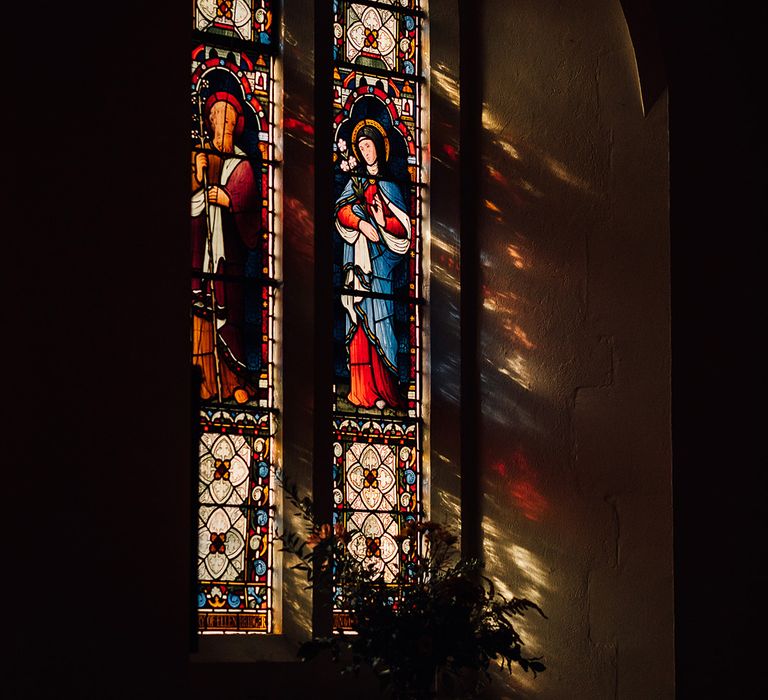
241 228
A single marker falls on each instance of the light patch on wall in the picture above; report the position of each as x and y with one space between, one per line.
299 614
529 187
500 302
563 174
527 580
496 175
443 245
450 506
445 277
506 305
516 371
490 121
299 128
492 124
296 597
509 149
521 336
445 261
445 84
517 258
530 565
520 481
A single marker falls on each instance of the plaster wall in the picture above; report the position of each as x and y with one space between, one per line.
576 456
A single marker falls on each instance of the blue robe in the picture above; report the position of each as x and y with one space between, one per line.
369 266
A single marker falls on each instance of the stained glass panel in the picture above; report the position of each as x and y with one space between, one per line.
246 78
377 37
249 20
377 489
377 356
234 297
407 4
392 102
378 166
234 538
377 249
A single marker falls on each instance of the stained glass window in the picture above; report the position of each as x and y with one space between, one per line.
378 159
233 301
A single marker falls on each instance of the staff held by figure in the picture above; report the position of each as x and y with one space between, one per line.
209 239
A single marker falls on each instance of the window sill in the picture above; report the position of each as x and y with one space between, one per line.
243 648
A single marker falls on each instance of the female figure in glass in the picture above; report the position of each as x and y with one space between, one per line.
373 222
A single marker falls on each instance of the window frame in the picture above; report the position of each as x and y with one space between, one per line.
441 488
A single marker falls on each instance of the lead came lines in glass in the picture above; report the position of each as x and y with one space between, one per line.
377 276
234 295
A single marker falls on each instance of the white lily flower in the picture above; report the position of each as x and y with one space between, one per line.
342 145
344 165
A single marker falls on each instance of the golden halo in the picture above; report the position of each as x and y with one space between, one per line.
379 128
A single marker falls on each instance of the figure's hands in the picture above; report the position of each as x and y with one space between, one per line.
218 195
201 163
377 208
368 230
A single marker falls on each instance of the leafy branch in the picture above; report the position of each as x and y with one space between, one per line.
437 614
